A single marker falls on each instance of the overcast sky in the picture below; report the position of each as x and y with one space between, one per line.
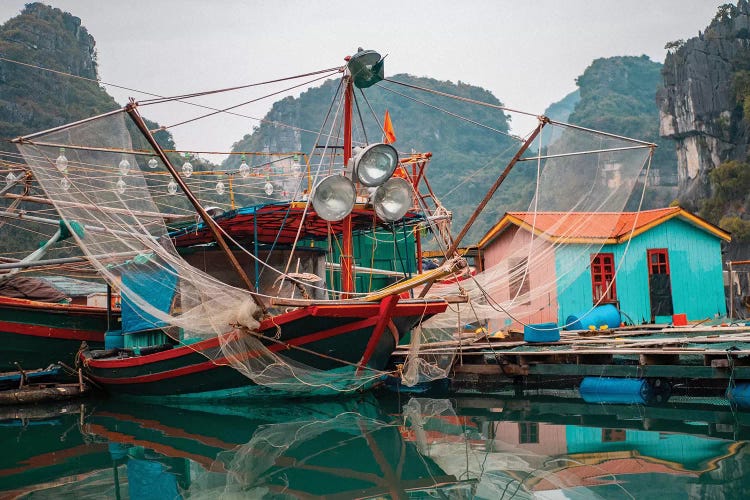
527 53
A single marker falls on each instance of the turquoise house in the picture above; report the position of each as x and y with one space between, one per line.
653 265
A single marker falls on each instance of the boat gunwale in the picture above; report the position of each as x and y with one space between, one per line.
363 312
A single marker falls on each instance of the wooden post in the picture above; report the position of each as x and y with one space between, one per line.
132 110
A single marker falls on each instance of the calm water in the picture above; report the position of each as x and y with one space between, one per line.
544 446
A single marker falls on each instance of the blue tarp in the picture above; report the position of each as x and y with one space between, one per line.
154 284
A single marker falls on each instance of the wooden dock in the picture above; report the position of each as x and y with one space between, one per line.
708 356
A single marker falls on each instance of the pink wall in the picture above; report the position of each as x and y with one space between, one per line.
514 242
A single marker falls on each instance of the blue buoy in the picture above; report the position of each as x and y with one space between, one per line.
739 395
541 332
596 317
624 390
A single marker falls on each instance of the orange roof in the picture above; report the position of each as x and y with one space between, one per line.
593 227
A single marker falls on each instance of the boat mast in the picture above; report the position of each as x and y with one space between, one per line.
132 110
347 251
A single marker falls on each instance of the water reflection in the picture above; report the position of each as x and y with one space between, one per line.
541 446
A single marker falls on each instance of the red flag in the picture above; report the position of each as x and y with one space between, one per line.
388 133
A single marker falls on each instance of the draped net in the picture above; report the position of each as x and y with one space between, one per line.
108 188
581 181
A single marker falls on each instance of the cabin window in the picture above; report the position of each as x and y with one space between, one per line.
603 278
613 435
658 261
518 285
528 432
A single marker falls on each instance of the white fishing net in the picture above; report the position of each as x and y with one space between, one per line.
582 181
120 202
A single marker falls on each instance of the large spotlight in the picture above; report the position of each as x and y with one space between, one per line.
366 68
375 164
393 199
334 197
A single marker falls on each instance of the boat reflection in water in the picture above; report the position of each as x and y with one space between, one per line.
341 449
500 447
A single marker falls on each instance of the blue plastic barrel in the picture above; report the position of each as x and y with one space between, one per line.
740 395
616 390
541 332
597 317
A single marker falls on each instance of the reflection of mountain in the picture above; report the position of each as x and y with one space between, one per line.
341 449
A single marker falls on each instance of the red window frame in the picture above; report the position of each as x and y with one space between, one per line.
602 277
658 261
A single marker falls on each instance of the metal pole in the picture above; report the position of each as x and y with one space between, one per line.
132 110
347 250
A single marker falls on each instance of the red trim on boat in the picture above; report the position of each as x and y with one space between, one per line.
207 365
52 306
387 305
51 332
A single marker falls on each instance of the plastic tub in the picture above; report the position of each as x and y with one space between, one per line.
541 332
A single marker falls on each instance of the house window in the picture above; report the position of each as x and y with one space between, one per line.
518 284
528 432
658 261
613 435
603 278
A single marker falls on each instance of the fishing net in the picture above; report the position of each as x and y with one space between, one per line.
359 453
582 182
120 204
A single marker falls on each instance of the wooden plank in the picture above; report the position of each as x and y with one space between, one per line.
658 359
633 371
478 369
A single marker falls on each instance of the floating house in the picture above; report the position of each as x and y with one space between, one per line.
657 264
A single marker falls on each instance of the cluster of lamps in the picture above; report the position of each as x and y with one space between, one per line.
334 197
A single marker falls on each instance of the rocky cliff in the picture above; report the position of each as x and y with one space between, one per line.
700 106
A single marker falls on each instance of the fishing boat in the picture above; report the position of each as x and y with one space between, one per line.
262 298
238 303
39 325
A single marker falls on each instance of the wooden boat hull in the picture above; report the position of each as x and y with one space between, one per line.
336 339
41 393
37 334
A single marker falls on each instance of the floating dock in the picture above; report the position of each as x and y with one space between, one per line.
697 357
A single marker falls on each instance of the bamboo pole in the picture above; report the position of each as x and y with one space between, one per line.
132 110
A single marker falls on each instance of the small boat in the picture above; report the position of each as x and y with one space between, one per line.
240 303
42 393
36 334
38 324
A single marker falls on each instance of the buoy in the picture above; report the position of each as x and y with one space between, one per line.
739 395
624 390
597 317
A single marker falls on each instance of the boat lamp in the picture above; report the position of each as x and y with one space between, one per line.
375 164
334 197
393 199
